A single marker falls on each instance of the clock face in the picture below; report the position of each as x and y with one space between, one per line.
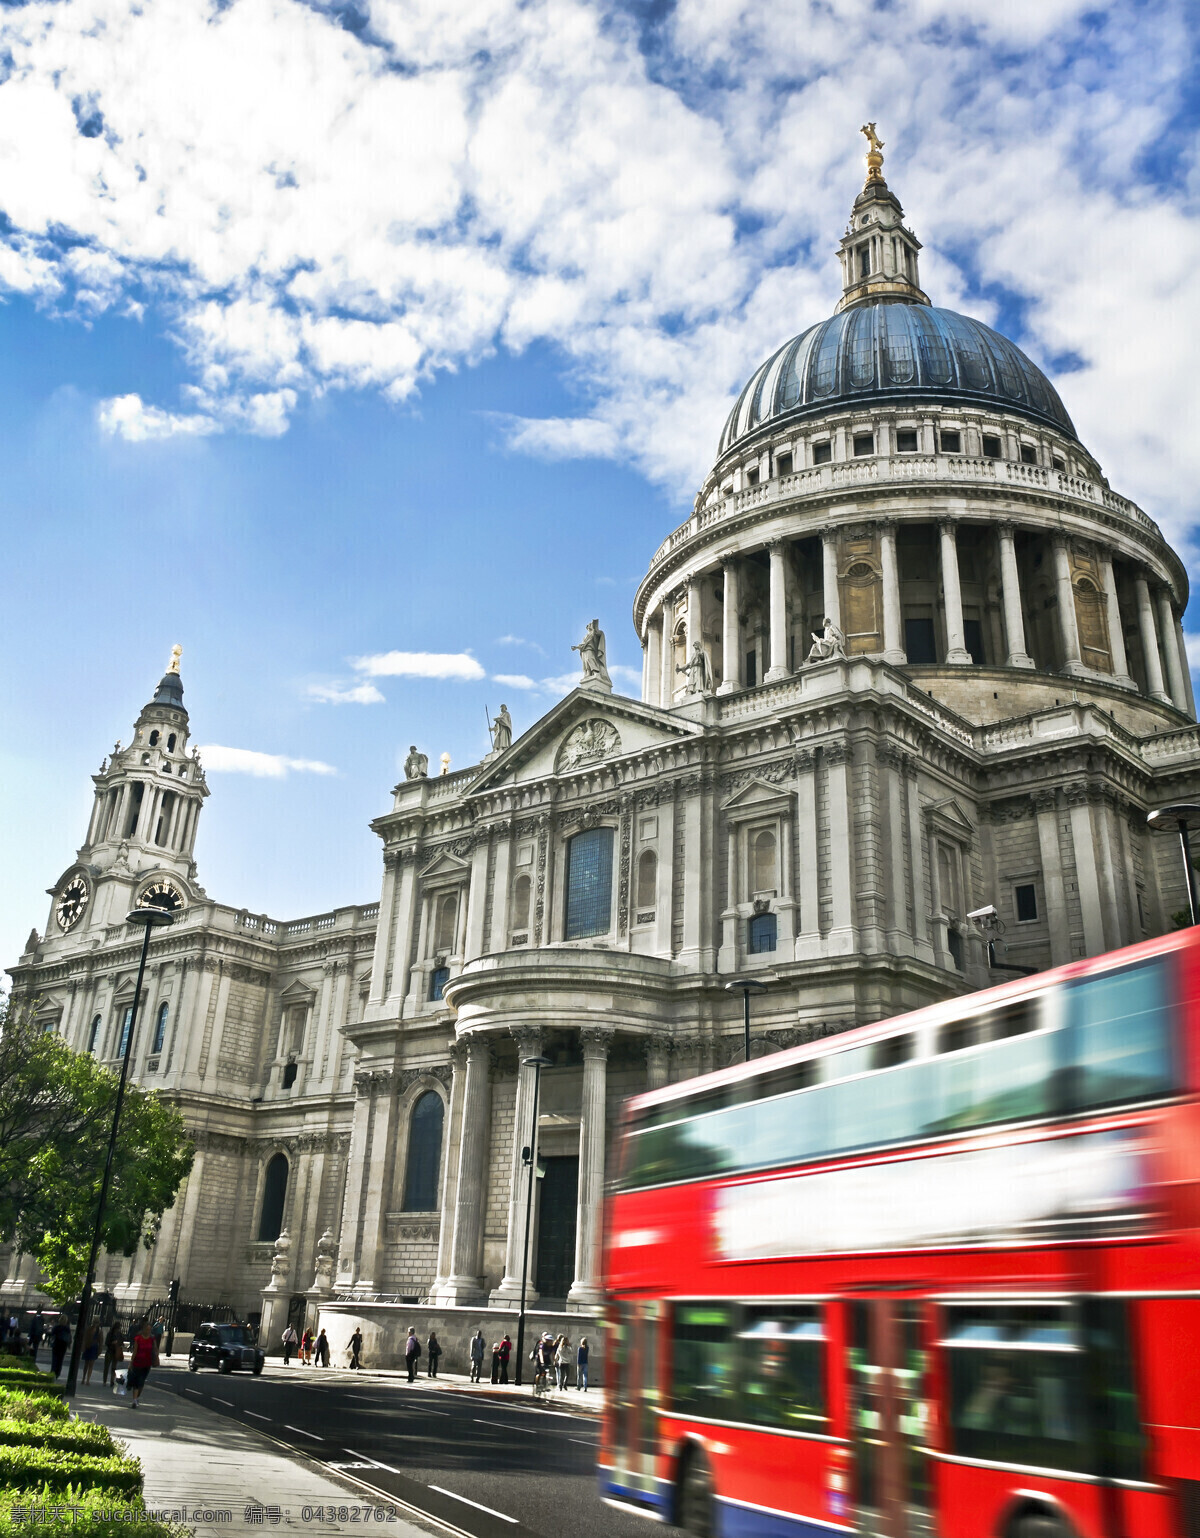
161 895
72 900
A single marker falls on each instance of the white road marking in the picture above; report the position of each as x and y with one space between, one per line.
374 1462
300 1432
491 1510
229 1402
526 1431
257 1416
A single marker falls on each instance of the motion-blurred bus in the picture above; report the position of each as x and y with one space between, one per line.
934 1276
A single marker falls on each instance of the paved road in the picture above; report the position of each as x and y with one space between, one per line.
491 1468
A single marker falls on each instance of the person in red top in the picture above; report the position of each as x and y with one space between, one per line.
505 1353
141 1360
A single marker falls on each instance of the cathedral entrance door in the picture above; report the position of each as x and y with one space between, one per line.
557 1217
297 1308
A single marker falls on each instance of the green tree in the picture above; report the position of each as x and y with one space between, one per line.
55 1117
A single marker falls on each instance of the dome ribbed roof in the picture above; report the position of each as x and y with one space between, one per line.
895 352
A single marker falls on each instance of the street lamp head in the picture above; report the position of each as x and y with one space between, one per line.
746 985
150 917
1166 819
542 1061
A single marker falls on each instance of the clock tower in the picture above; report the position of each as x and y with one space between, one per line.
143 825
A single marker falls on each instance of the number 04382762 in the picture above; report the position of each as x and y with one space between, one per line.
347 1514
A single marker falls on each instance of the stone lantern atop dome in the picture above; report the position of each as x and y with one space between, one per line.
878 253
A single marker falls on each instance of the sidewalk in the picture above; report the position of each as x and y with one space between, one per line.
204 1470
590 1403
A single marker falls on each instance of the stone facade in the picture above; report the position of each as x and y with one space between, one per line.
1004 696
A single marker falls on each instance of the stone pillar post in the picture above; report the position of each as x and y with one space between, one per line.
695 614
477 899
842 938
808 892
956 648
1116 632
464 1285
731 642
1154 677
586 1291
893 629
1185 663
276 1294
529 1044
667 688
779 614
448 1175
1010 583
1170 646
658 1061
1068 623
830 596
653 671
1045 804
1087 872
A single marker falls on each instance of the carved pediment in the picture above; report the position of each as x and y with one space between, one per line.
446 867
297 992
949 816
757 797
587 743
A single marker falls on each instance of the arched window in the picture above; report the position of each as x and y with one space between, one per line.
270 1222
160 1027
171 743
520 903
93 1033
163 826
424 1154
126 1027
763 862
447 913
589 883
763 931
647 879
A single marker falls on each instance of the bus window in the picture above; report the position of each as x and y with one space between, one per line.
893 1051
704 1380
782 1367
1120 1036
1016 1383
1114 1397
1012 1020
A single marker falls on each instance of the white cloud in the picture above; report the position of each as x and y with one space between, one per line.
456 665
346 694
558 437
563 684
128 417
514 680
263 766
516 640
631 676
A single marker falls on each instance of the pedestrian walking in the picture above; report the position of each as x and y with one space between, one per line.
141 1360
477 1349
356 1345
37 1331
91 1350
581 1365
290 1341
60 1339
306 1346
322 1350
505 1353
542 1357
114 1349
432 1351
562 1360
412 1353
495 1361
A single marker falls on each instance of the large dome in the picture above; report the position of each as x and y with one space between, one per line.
895 351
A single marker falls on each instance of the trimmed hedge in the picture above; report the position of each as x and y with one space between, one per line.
31 1383
98 1513
15 1405
25 1466
66 1436
12 1363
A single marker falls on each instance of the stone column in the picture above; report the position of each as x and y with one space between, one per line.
653 689
830 596
808 894
529 1044
1154 677
956 648
1087 873
464 1285
893 629
1045 804
477 899
695 614
658 1061
779 616
1185 663
1170 645
1068 623
1116 632
586 1291
667 689
842 938
731 642
1010 582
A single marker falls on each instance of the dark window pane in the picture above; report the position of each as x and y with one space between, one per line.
160 1028
1028 454
1122 1443
424 1154
763 932
126 1024
438 979
782 1367
822 453
751 669
1026 897
864 443
951 443
290 1071
1120 1036
705 1377
955 946
973 636
783 464
992 446
94 1033
906 441
270 1223
919 640
589 883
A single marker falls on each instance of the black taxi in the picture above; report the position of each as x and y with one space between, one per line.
227 1347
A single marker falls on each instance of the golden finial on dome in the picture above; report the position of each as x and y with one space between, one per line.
874 153
176 653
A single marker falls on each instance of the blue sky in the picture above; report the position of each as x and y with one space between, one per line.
332 333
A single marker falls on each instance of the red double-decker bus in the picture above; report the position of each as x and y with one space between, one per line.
938 1275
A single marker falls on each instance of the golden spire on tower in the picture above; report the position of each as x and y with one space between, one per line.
176 653
874 153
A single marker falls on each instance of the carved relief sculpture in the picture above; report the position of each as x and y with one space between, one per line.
588 743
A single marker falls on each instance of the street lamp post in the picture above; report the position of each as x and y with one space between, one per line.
746 986
1171 819
150 918
529 1158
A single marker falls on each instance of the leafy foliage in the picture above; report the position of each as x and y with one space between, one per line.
56 1111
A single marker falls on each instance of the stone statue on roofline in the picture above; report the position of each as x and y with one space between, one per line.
502 731
698 671
416 765
592 655
829 646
